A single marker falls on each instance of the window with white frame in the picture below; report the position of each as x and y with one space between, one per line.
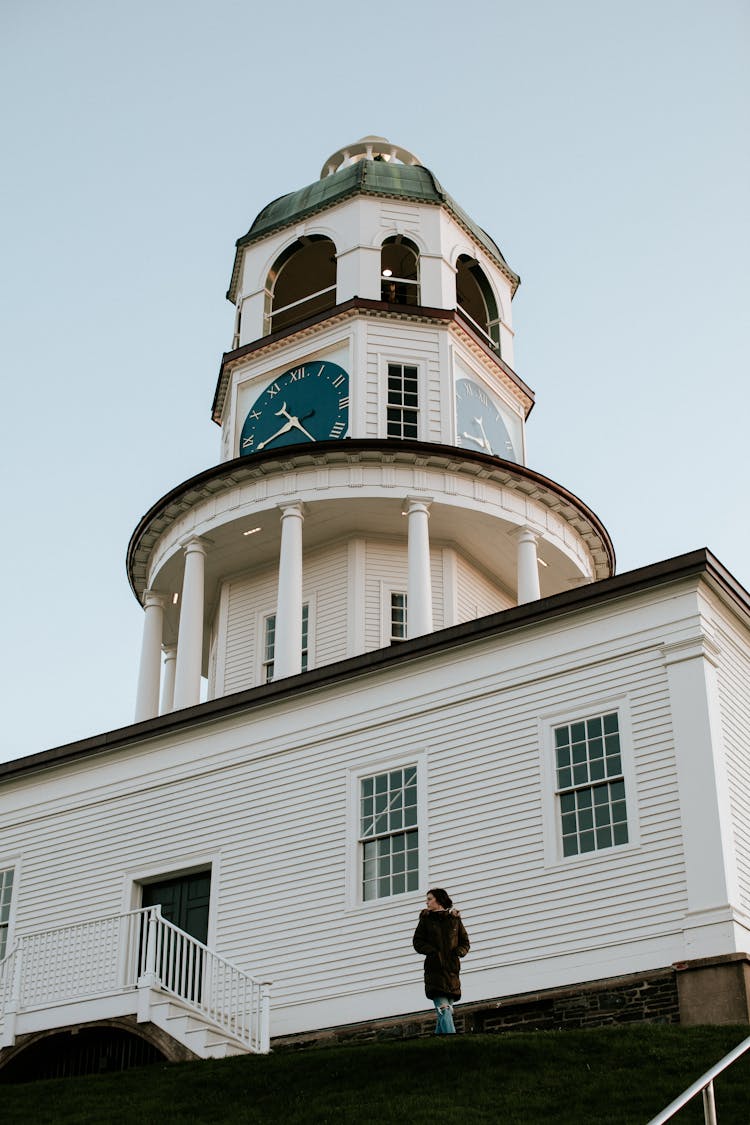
388 833
403 401
269 642
398 616
590 784
6 895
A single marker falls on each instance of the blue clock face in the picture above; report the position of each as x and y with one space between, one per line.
307 403
479 423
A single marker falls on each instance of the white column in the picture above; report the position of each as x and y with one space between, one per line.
167 691
187 680
149 671
527 566
419 585
287 658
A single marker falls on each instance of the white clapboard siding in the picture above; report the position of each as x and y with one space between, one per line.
251 597
386 569
266 798
248 598
389 341
325 589
477 594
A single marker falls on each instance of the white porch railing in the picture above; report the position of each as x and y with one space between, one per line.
124 952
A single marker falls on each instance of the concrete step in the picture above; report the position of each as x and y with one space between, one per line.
201 1036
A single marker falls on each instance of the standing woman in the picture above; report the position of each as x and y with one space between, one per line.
441 937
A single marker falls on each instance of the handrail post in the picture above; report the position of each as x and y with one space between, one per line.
149 978
264 1036
709 1105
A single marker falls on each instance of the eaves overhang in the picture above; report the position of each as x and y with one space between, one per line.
695 566
227 475
362 306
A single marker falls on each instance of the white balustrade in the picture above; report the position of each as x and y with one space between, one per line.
122 952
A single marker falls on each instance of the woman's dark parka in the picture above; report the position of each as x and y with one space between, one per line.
441 937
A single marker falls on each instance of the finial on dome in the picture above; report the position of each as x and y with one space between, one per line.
367 148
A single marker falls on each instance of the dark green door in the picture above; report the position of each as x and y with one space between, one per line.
184 902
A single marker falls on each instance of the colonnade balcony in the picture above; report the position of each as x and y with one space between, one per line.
528 535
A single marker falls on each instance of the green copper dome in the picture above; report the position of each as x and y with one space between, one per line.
378 177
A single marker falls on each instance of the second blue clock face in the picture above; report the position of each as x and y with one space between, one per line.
307 403
479 423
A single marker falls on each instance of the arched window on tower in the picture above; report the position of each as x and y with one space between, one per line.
302 282
476 300
399 271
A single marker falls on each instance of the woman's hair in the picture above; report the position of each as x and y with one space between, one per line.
442 897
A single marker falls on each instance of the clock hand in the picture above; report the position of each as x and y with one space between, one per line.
486 444
292 422
298 425
298 422
284 429
471 437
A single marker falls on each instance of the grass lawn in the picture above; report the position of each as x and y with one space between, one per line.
609 1076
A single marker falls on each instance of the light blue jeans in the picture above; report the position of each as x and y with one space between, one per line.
444 1009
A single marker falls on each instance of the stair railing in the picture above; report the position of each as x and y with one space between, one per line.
704 1085
114 954
202 980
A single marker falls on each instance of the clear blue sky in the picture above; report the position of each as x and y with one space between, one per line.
604 146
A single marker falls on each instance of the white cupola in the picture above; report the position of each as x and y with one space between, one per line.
372 484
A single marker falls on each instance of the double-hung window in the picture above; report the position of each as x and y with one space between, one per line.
403 401
398 616
388 833
269 642
590 784
6 895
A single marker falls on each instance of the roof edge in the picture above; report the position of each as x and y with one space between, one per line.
695 564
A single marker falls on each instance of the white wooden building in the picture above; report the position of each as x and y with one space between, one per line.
418 669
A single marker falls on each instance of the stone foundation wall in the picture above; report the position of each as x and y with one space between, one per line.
638 998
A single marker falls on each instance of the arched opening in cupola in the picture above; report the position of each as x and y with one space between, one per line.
301 282
399 271
476 300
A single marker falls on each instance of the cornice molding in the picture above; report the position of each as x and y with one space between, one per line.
228 474
453 319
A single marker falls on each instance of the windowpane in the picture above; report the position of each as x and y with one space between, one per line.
597 769
620 833
592 816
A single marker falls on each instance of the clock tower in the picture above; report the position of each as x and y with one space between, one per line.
373 484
